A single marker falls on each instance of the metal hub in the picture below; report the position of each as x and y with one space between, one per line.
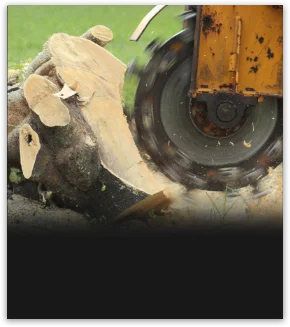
202 121
226 111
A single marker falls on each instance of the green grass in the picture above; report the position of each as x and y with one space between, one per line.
30 26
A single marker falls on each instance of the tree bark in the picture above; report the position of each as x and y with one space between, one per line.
17 109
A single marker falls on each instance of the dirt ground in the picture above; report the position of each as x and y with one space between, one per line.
192 209
32 215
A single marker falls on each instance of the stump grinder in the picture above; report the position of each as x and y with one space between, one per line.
209 102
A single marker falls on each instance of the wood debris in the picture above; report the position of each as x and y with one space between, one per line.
86 100
247 145
66 92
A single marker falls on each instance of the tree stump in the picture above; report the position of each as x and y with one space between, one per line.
67 130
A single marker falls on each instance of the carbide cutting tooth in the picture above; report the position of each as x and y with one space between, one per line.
253 176
153 46
275 151
188 35
261 188
189 14
133 68
259 194
232 193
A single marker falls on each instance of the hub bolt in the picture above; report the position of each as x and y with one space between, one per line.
226 111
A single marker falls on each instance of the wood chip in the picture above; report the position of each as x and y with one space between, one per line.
74 85
247 145
86 100
66 92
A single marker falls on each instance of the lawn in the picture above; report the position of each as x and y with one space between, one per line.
30 26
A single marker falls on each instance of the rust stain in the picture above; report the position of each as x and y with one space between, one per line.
254 69
260 99
230 86
150 100
209 24
218 27
264 161
260 39
270 54
212 173
177 46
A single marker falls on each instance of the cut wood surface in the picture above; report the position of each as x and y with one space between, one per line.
39 93
29 148
99 34
100 75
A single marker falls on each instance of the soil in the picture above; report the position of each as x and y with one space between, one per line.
195 209
32 215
